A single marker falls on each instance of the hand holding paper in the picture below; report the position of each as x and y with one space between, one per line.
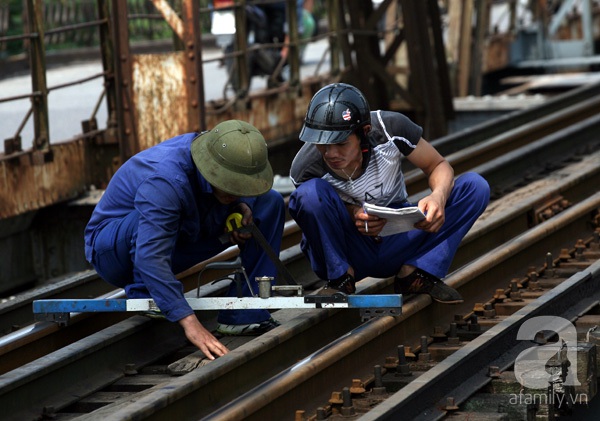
398 220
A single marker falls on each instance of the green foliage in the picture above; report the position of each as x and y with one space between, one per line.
10 23
145 23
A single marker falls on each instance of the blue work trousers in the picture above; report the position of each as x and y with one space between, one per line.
332 242
116 265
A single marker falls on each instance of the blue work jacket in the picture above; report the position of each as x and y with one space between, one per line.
177 211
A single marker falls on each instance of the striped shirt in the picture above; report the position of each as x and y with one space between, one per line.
392 137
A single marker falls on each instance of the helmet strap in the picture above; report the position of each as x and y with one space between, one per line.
365 145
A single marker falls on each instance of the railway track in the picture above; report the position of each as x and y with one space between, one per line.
462 149
136 366
260 363
351 361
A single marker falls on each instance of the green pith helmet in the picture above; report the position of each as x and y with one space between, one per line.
233 157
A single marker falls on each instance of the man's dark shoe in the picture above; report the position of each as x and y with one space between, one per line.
421 282
345 284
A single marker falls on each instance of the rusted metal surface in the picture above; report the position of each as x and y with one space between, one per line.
159 88
68 174
497 55
429 85
126 118
194 70
159 96
277 116
108 63
152 97
38 77
28 187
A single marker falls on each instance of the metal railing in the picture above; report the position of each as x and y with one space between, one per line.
51 28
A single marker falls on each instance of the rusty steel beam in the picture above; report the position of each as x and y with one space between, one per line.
425 80
240 69
37 62
126 118
85 160
187 28
464 47
441 62
334 40
341 35
107 50
193 66
374 79
170 17
482 13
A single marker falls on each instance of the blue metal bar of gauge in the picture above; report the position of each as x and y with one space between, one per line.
214 303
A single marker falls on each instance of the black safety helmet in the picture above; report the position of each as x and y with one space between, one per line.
334 113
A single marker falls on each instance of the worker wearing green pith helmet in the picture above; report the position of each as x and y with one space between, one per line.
164 211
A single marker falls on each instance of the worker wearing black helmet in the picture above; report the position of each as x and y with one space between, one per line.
164 210
353 156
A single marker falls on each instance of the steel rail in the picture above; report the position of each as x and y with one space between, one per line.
532 159
550 151
516 212
16 312
455 142
467 370
28 392
35 340
513 140
361 348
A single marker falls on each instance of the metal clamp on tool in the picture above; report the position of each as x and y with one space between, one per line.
237 269
338 297
288 290
234 223
373 313
60 318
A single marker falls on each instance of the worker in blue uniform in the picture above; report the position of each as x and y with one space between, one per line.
164 210
353 156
